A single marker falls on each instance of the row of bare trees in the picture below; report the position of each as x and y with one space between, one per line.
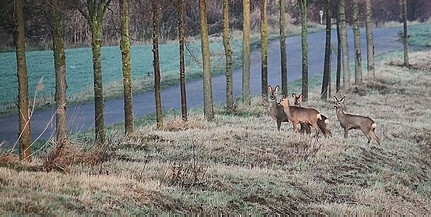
94 10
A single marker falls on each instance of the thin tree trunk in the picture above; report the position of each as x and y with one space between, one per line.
246 53
60 73
357 43
369 36
229 58
156 65
327 62
23 102
338 76
264 50
207 85
182 64
127 71
403 5
304 42
96 11
283 53
344 45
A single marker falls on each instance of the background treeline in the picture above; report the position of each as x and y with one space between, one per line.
77 32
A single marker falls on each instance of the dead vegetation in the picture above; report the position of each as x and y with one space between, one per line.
239 164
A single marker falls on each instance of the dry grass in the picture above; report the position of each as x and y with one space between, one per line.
240 164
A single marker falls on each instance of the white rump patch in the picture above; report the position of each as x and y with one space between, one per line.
374 125
319 117
327 121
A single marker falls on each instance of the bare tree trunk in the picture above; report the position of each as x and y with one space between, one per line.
344 45
327 63
156 65
182 64
357 43
229 58
23 102
338 76
369 36
127 71
208 98
403 6
60 72
264 51
283 53
246 53
304 42
96 10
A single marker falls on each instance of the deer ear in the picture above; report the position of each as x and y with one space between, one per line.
335 98
300 97
342 99
293 95
269 88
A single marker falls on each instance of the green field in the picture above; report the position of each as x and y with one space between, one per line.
80 74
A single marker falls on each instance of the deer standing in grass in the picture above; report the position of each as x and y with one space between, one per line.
300 115
275 110
323 123
350 121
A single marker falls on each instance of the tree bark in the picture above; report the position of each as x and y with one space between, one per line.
182 64
338 76
96 10
357 43
304 42
264 50
344 45
283 53
369 36
327 62
127 71
229 58
207 84
403 6
246 53
60 72
156 65
23 101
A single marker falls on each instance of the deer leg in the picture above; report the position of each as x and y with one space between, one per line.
373 134
317 129
346 132
278 125
367 134
295 126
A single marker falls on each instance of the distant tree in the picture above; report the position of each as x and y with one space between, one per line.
357 43
369 36
207 84
264 50
21 65
127 71
229 58
246 53
304 20
338 75
95 10
60 71
156 64
182 64
283 54
344 44
403 6
327 63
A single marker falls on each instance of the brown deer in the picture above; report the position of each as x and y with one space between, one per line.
300 115
275 110
350 121
323 124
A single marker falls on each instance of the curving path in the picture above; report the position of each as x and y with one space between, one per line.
81 117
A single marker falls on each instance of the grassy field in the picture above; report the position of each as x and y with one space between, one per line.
240 164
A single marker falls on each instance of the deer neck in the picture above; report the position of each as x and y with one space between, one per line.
272 108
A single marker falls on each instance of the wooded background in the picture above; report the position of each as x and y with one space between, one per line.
77 32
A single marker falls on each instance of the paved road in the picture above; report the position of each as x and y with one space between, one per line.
81 117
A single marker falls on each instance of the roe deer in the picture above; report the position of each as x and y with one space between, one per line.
350 121
275 110
323 124
300 115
